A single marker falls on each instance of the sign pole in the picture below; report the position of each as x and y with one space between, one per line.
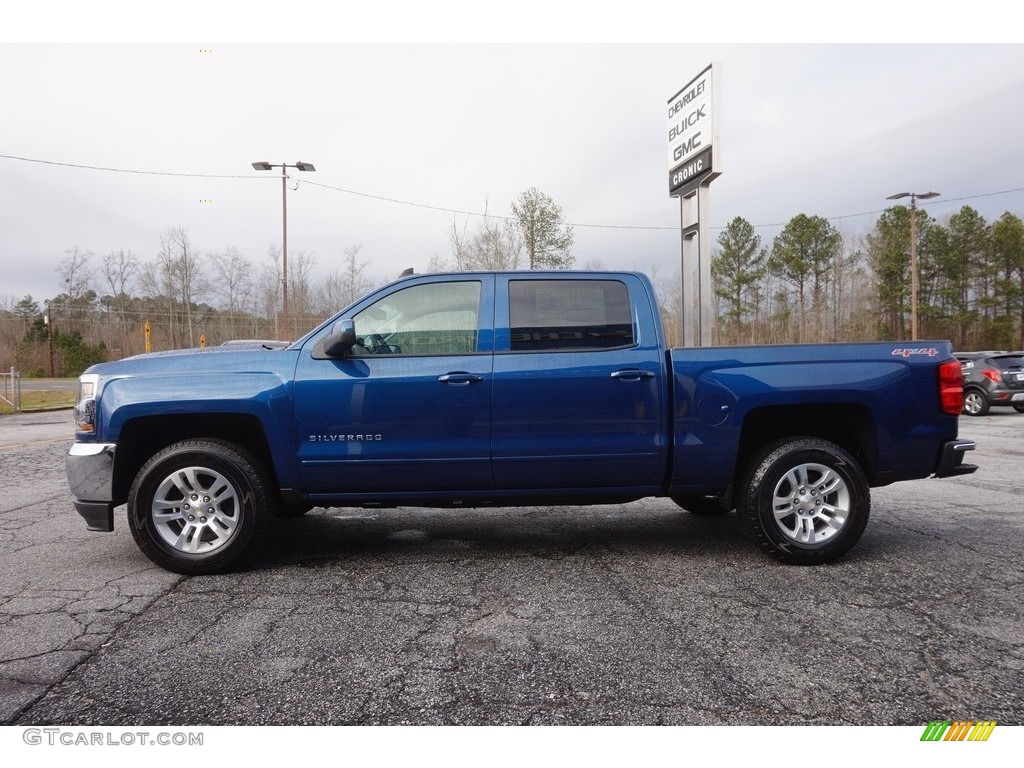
695 268
688 273
694 161
706 289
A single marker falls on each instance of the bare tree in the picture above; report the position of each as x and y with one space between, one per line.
670 303
300 290
459 242
175 282
267 295
158 282
355 283
232 283
75 280
496 244
119 269
189 273
844 301
344 285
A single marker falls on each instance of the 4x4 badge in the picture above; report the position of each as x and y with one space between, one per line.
910 352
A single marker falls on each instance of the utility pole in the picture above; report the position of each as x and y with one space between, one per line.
49 335
914 197
265 166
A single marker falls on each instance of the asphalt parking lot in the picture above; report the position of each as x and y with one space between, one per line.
638 614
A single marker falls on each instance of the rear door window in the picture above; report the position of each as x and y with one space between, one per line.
569 315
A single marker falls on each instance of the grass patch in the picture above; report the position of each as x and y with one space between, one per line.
36 401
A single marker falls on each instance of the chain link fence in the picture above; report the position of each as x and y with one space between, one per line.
10 388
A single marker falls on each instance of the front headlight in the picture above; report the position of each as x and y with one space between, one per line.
85 409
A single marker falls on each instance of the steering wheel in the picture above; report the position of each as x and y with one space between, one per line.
379 345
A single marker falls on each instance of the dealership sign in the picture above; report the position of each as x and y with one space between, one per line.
693 124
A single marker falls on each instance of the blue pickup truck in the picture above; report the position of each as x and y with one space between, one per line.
501 389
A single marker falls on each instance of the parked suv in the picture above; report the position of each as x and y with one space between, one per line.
992 379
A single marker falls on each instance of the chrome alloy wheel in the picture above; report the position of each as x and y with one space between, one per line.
810 504
196 510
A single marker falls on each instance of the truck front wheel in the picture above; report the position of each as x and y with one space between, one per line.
195 505
806 499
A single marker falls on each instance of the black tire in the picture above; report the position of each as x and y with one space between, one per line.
806 500
706 506
225 499
975 403
1018 407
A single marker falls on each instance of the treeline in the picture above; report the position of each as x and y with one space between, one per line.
186 297
106 303
810 284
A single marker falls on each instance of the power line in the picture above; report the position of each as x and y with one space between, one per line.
402 202
127 170
467 213
626 226
443 209
922 206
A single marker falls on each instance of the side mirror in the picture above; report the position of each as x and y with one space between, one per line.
341 340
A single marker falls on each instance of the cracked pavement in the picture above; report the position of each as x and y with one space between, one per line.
62 593
635 614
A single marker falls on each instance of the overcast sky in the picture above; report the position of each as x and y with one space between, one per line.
413 132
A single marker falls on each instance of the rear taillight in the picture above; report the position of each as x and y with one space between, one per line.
951 387
992 375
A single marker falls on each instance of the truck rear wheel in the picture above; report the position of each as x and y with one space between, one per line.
195 505
806 499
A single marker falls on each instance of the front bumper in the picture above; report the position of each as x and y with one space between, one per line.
90 471
952 457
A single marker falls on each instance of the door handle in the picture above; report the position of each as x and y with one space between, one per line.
632 375
460 379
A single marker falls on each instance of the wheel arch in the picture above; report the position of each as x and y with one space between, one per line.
851 426
142 438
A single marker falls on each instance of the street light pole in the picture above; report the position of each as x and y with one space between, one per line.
301 166
284 252
914 197
49 335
